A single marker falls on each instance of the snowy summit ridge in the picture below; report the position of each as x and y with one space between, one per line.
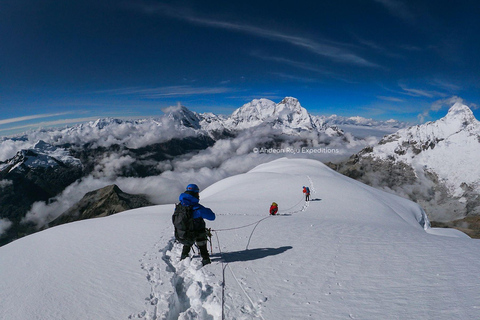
352 252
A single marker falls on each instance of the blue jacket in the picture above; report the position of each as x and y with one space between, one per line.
199 211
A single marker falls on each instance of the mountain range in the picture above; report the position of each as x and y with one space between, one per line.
39 166
46 172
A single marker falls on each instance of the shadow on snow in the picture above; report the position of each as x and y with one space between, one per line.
248 255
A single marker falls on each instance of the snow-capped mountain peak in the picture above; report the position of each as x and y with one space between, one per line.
42 146
41 155
446 149
291 105
255 111
265 110
183 116
287 115
459 109
460 117
104 122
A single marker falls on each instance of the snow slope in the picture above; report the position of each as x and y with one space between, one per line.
353 252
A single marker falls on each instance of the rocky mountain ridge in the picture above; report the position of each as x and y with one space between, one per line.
101 203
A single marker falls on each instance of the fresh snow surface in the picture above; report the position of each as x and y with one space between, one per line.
352 252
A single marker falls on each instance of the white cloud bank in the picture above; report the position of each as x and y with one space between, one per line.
225 158
5 224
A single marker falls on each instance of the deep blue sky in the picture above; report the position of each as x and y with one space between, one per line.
62 60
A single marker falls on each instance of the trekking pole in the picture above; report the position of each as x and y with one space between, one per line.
209 235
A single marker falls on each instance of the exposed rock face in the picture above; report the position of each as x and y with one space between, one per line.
100 203
468 225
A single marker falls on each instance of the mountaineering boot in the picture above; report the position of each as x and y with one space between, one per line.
206 261
185 252
205 255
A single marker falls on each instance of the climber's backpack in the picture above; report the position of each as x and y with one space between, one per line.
182 219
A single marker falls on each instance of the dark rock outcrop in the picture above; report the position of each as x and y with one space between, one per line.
100 203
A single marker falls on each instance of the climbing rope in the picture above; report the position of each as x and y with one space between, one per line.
296 204
223 275
241 227
251 234
225 265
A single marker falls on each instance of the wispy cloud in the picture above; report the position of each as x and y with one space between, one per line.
414 92
294 78
45 124
32 117
294 63
5 224
168 91
398 8
445 85
328 49
304 66
392 99
434 90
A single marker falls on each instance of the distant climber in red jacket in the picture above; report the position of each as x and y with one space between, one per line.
306 191
273 209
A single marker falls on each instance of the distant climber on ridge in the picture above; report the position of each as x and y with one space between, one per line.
189 224
306 191
273 209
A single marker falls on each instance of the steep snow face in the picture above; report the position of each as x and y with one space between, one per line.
352 252
288 115
449 147
254 112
